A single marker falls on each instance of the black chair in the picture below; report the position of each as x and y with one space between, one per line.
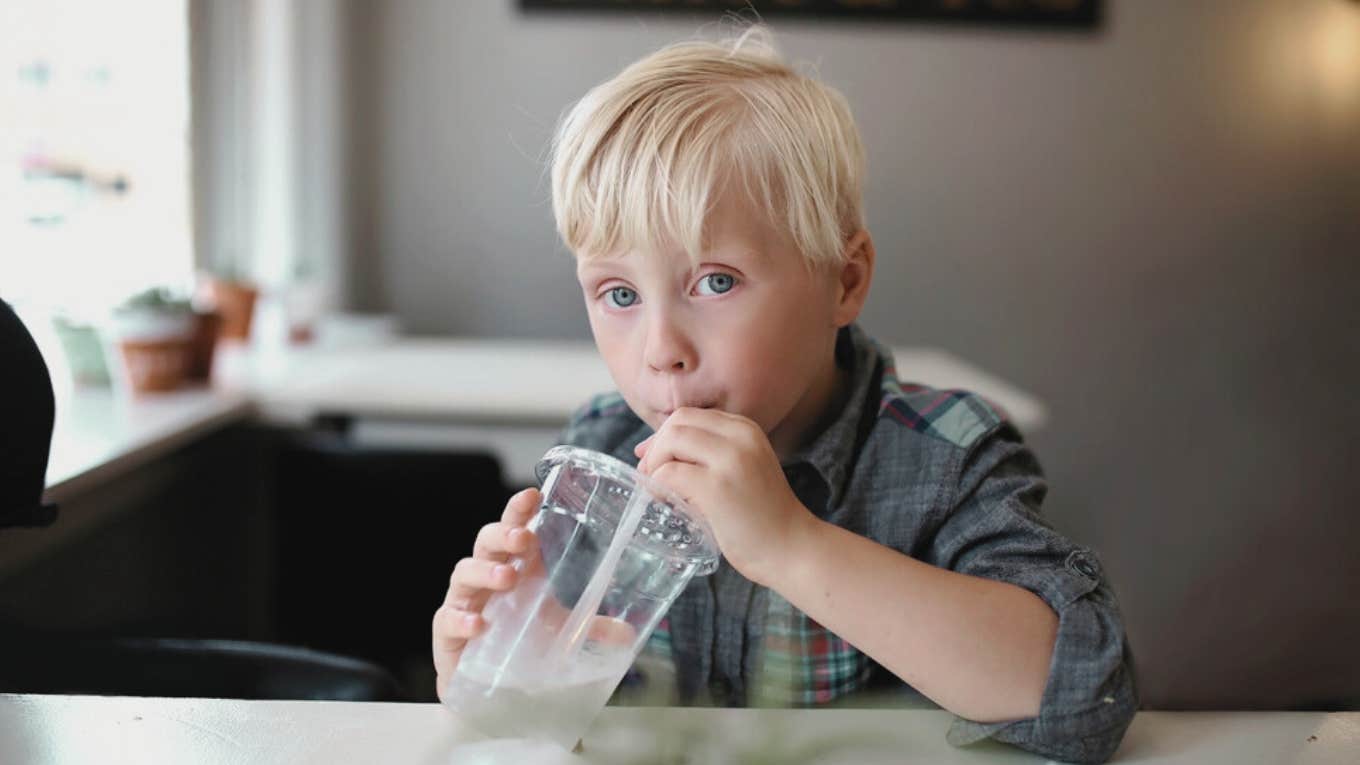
27 410
44 662
101 666
366 540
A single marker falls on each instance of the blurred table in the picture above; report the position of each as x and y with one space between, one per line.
502 382
81 729
510 397
100 432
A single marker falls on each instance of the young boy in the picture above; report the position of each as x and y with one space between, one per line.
873 532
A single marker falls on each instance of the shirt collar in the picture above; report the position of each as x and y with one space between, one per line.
831 454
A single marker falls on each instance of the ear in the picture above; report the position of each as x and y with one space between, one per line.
853 276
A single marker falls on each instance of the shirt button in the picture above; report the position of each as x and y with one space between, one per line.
1083 564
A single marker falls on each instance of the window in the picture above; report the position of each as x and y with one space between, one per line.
95 200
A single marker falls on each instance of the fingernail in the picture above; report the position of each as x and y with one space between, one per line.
470 620
503 570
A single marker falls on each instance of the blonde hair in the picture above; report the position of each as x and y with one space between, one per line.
640 160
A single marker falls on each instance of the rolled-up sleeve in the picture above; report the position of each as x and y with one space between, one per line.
990 527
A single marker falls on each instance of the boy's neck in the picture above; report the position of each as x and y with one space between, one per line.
814 413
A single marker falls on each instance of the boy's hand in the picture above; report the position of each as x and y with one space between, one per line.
723 465
488 571
476 578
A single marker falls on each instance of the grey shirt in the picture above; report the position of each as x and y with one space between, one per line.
941 476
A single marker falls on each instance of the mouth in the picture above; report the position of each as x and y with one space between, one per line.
667 412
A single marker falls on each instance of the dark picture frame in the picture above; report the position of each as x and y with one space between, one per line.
1038 14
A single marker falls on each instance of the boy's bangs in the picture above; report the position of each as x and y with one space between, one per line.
650 188
639 163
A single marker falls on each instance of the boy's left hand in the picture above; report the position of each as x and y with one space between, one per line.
722 464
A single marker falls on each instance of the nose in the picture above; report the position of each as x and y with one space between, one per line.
668 347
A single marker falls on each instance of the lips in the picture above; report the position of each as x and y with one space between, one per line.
668 411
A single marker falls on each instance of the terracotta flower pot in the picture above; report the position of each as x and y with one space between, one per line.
155 347
155 365
235 301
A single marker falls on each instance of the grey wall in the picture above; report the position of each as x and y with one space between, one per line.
1154 228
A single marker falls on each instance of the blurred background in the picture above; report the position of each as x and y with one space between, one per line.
1150 223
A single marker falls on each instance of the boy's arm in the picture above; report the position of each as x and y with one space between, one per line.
992 528
977 647
1002 620
1001 604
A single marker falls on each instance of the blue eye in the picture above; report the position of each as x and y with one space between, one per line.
716 284
620 297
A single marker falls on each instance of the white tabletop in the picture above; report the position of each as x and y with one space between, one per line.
491 385
100 433
531 382
83 729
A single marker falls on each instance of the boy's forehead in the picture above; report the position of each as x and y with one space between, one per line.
671 258
732 218
730 231
630 258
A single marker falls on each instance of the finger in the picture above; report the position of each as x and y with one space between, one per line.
473 603
684 442
521 507
498 541
678 477
530 562
732 426
472 576
641 449
451 629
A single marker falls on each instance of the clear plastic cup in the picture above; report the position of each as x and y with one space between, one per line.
613 551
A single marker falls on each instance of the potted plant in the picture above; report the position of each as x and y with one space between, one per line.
84 350
153 332
233 296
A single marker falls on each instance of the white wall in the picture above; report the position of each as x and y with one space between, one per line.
1154 227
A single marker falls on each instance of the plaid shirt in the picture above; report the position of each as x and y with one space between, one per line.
940 476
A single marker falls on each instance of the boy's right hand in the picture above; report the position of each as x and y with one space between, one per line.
476 578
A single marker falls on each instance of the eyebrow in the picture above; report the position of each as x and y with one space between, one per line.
594 266
600 267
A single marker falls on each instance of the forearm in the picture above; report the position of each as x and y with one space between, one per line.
977 647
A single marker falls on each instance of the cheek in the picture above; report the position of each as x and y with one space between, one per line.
621 355
789 321
612 329
755 375
770 359
613 343
767 404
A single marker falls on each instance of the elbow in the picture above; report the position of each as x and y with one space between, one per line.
1090 697
1091 730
